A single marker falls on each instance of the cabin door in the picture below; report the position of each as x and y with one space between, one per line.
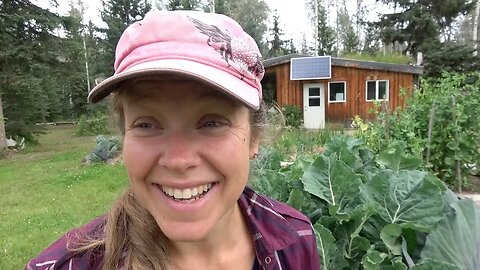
314 106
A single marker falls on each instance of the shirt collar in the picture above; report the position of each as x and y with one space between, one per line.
271 231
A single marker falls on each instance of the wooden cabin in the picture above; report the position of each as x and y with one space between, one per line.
342 89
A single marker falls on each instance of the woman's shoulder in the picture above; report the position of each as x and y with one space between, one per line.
59 255
282 234
287 212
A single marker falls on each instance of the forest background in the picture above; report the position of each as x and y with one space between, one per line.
49 62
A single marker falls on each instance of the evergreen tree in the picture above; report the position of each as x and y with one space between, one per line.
348 36
252 15
306 49
371 44
326 34
221 7
75 55
184 5
276 44
290 47
350 40
27 65
420 23
118 15
450 57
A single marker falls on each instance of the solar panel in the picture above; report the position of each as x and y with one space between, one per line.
307 68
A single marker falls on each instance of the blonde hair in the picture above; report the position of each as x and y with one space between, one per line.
132 237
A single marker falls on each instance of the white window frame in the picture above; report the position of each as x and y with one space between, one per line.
377 98
344 92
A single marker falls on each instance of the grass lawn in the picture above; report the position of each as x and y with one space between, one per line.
46 191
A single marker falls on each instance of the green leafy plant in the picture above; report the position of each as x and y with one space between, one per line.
106 149
97 124
293 116
439 124
375 211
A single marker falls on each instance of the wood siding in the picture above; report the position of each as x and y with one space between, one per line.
291 92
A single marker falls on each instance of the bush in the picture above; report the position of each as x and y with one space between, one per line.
293 116
94 125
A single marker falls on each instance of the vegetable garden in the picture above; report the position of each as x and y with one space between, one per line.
382 199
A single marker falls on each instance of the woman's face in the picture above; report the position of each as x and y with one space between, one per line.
186 150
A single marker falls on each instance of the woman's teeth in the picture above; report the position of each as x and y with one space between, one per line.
188 193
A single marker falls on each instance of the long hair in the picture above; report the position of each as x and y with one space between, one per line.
132 237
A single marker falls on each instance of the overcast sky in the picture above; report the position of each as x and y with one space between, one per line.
293 15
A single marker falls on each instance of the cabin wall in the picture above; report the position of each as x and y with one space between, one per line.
291 92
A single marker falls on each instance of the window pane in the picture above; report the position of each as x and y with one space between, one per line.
382 90
314 91
371 87
314 102
337 91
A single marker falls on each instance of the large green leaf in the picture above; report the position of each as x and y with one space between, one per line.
396 265
457 238
430 264
355 246
333 181
372 260
296 199
407 198
390 235
346 149
395 158
330 256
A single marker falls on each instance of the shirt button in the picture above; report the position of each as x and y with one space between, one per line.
268 260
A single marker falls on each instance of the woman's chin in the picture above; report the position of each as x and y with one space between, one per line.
185 233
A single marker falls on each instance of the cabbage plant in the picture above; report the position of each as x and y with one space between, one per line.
375 211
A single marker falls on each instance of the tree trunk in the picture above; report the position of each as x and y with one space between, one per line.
475 28
3 138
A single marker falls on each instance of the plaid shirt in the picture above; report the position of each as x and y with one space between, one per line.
284 239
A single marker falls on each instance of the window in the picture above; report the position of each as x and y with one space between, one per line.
377 90
314 97
337 92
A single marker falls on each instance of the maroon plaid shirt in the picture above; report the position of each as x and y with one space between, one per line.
284 239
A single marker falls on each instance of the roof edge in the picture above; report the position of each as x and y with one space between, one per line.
343 62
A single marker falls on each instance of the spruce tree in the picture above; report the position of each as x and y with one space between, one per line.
27 65
276 44
118 15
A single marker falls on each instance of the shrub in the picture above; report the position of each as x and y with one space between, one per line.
293 116
96 124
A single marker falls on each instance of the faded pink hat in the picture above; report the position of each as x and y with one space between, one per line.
208 47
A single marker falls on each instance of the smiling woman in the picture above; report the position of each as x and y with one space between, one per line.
187 94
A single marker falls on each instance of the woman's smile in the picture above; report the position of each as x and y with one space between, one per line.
187 194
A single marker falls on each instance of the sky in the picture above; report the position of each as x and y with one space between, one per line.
293 16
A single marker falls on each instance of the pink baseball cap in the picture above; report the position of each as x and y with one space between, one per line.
208 47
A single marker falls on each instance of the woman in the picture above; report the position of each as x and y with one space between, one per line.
187 94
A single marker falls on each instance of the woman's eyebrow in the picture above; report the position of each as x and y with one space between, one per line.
217 98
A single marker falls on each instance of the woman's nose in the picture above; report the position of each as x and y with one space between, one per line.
179 153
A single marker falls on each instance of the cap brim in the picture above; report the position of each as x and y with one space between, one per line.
230 84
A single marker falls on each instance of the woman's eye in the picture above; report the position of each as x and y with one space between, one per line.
211 124
143 125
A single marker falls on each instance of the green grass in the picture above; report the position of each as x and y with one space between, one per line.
46 191
394 58
289 142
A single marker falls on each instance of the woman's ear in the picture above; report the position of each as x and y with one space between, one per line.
254 146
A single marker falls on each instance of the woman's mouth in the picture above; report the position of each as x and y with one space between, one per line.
188 194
